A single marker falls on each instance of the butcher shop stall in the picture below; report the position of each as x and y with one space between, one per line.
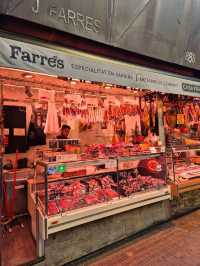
91 149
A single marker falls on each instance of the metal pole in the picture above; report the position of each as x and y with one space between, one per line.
1 144
46 200
39 233
1 164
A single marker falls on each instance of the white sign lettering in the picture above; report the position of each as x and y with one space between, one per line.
36 6
75 18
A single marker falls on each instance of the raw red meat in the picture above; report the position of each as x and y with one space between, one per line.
66 204
107 182
76 189
93 184
91 199
129 185
100 194
52 208
110 194
67 189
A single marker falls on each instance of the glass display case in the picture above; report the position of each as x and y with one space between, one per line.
68 194
185 160
184 170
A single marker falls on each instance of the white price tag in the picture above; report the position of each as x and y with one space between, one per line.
6 131
162 149
152 149
20 132
111 164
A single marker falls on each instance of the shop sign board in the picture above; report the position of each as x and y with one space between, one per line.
163 29
86 18
191 88
70 63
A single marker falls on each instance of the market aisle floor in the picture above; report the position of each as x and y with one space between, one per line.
18 246
173 244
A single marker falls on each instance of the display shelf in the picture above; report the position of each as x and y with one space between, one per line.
101 166
182 184
185 148
100 161
102 210
75 163
138 157
21 174
78 177
186 186
51 180
110 165
189 185
126 169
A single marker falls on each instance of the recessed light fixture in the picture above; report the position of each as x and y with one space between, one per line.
107 87
73 82
27 75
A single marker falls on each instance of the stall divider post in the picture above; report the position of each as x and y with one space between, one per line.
1 162
166 168
118 176
173 166
1 146
46 200
36 213
40 251
1 143
37 224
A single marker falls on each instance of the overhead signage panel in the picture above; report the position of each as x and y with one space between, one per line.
22 55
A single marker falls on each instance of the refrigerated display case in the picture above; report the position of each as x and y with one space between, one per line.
184 170
67 194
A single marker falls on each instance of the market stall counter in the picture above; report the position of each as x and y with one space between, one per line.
184 173
113 182
70 194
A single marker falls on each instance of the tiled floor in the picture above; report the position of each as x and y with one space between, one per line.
173 244
18 246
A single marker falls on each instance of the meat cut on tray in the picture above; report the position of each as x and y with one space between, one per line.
74 194
107 182
130 185
91 199
67 204
52 208
110 193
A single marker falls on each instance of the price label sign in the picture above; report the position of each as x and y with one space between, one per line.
111 164
61 168
162 149
180 119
